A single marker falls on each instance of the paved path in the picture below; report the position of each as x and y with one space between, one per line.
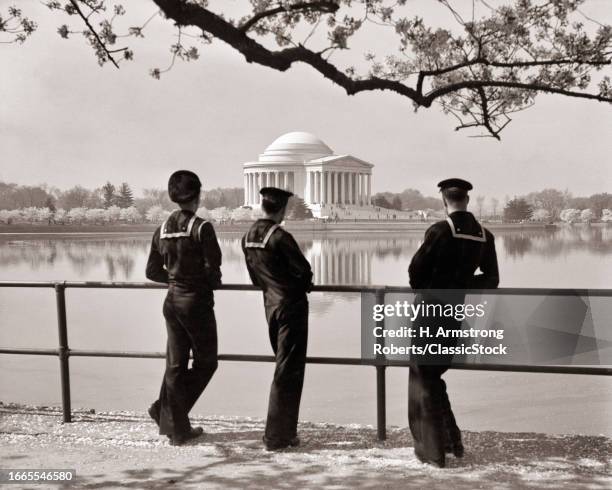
123 450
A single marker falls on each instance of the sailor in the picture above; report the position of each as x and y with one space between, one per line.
185 255
276 264
441 269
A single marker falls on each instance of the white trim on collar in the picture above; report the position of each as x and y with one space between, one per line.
264 242
163 234
463 235
200 229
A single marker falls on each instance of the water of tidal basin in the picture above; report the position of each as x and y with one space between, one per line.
132 320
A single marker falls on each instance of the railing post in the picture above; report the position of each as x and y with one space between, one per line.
381 384
381 403
64 351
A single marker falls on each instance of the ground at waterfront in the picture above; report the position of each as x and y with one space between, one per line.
123 450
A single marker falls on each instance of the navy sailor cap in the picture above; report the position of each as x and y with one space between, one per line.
455 183
183 186
275 194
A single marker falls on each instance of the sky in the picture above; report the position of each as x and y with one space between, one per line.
66 121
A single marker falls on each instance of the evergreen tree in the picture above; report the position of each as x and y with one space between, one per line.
108 193
599 202
517 209
50 203
381 201
297 209
396 203
125 199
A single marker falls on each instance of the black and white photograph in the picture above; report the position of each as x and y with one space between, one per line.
320 244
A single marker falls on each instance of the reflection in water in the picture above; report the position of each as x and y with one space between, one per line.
335 263
83 255
335 258
348 260
553 243
517 245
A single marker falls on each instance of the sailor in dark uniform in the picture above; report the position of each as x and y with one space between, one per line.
451 253
185 254
277 265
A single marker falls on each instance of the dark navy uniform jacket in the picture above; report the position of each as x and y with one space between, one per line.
185 251
450 254
276 263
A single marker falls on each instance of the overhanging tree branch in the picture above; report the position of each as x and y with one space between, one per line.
101 44
513 64
189 14
320 6
494 67
536 87
486 116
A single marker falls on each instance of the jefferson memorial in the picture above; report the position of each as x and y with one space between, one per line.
301 163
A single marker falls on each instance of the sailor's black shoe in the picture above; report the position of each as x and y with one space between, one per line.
153 412
453 445
458 449
278 445
180 439
439 463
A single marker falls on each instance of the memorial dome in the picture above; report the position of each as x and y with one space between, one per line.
297 146
303 164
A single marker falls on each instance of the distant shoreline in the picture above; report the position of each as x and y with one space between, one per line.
294 226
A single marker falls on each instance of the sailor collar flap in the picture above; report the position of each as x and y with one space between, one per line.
257 239
457 232
171 229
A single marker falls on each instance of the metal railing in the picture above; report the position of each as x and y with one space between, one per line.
64 352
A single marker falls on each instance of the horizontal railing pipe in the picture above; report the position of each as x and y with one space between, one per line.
316 288
347 361
63 352
30 352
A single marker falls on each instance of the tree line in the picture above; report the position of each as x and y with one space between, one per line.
14 196
552 205
110 203
407 200
117 204
547 205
